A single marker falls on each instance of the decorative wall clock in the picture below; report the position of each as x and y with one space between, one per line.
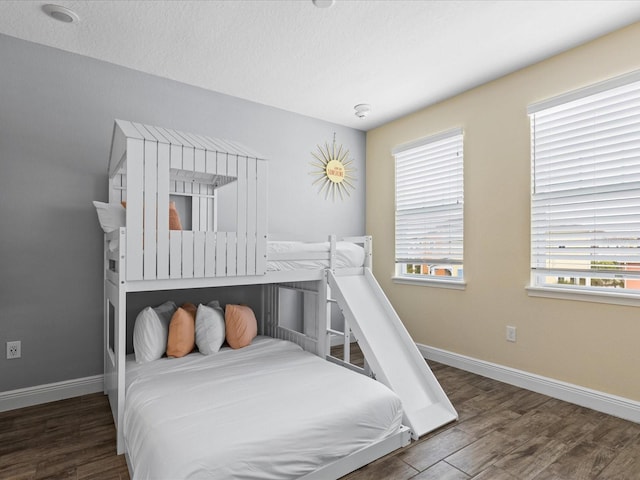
333 169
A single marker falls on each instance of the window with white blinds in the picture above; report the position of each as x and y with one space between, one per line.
429 207
585 209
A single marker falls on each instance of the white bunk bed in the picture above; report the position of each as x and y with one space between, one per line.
147 166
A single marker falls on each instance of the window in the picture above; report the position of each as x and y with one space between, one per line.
585 208
429 208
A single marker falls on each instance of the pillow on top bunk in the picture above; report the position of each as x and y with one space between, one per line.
182 338
110 215
210 331
174 216
150 332
240 325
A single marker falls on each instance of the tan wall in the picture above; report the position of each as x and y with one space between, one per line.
589 344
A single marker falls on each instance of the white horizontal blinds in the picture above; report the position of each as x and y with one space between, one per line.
429 200
586 184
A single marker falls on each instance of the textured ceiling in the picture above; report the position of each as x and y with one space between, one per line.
397 55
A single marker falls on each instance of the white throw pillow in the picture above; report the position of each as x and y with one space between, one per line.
210 330
110 215
151 330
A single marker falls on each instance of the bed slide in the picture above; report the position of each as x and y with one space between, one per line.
391 353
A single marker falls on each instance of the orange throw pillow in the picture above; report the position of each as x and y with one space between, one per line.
191 308
240 325
174 217
182 331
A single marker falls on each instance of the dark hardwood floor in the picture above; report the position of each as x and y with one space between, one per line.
504 433
507 433
69 439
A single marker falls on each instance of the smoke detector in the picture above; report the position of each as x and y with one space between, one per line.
63 14
362 110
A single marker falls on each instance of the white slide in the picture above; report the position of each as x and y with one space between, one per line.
391 353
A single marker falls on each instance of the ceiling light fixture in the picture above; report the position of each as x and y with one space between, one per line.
362 110
323 3
63 14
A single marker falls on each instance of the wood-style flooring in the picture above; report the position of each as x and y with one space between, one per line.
68 439
504 433
507 433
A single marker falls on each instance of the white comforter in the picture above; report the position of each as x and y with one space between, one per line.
268 411
347 255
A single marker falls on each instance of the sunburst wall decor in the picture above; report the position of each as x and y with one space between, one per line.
334 170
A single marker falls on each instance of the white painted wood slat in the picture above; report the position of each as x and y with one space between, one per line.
261 218
188 163
176 156
210 254
134 214
241 226
163 211
187 254
252 210
232 269
183 139
210 163
198 254
150 208
175 162
221 160
221 254
192 139
142 130
175 254
157 134
168 135
198 202
210 209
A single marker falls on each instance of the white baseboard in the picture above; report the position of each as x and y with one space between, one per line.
603 402
51 392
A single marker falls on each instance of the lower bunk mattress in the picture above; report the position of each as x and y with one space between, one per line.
267 411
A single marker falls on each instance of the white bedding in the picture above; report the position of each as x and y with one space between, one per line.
347 255
267 411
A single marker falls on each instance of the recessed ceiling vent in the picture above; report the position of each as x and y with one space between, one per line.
63 14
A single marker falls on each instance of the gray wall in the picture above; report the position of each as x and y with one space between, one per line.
56 117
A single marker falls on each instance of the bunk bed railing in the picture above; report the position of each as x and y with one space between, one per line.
212 254
193 255
219 255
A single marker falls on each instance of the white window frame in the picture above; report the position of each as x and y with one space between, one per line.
437 161
583 188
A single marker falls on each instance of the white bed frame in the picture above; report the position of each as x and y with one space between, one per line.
149 164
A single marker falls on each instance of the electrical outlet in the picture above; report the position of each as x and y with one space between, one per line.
511 333
14 349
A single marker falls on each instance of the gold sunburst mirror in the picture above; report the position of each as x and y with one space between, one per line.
334 170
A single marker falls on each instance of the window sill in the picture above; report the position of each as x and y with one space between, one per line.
613 298
428 282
